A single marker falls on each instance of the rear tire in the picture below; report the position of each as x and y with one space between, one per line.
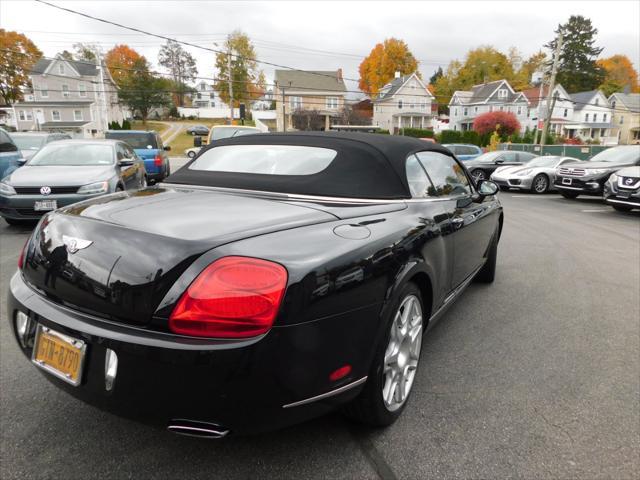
370 407
487 273
540 183
569 195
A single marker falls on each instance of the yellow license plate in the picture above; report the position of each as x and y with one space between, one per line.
59 354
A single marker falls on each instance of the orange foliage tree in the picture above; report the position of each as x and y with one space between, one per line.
17 55
121 61
619 73
386 58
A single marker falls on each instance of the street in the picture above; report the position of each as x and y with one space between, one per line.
535 376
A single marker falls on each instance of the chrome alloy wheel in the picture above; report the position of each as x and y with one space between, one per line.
540 184
402 354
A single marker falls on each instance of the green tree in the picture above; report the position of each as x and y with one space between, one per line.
181 65
84 52
248 80
18 54
578 70
436 75
143 91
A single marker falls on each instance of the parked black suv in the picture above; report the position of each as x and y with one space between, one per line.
483 166
622 190
588 178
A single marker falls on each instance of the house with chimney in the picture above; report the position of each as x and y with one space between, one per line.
319 91
75 97
404 102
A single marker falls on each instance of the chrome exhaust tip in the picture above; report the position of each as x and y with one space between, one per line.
195 428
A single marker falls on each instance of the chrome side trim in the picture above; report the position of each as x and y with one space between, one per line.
452 296
568 188
331 393
631 204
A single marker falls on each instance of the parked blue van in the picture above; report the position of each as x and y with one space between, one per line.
148 146
10 156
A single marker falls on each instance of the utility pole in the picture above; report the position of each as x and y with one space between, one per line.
230 79
552 84
540 97
284 110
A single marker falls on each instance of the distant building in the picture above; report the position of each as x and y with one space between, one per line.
77 97
405 102
311 90
562 109
625 113
205 96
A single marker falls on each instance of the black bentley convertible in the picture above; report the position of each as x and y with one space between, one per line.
270 280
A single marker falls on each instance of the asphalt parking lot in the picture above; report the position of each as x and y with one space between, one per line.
535 376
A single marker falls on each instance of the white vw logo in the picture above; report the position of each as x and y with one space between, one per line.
45 190
74 244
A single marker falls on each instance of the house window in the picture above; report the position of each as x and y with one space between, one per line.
475 109
604 117
491 108
423 105
332 103
203 87
519 110
61 68
502 93
23 117
213 104
77 115
465 111
565 112
613 104
55 115
399 103
82 89
455 112
586 117
595 117
44 92
295 103
597 101
501 108
65 91
621 120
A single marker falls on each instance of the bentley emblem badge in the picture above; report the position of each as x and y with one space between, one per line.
74 244
45 190
629 181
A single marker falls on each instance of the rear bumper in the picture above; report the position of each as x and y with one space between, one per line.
245 386
21 207
614 195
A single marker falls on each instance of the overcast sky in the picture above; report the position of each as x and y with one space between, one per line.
287 33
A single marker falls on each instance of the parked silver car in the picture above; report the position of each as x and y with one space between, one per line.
536 176
66 172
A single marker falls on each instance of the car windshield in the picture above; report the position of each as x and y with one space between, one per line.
265 159
136 140
220 133
543 162
28 142
488 157
73 154
618 155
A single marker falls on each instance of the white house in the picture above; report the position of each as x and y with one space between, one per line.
466 105
562 108
405 102
625 113
206 97
78 97
592 118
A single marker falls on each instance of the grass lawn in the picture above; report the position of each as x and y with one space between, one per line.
150 125
180 144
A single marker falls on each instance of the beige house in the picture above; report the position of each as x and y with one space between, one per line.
75 97
405 102
321 91
625 109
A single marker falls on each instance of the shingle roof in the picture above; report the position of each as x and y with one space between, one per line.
391 88
629 100
84 68
323 80
481 93
533 94
581 99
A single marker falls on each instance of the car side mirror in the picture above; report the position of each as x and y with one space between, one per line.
487 188
22 161
499 160
167 148
197 141
125 162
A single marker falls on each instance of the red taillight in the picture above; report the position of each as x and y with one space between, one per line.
340 373
157 161
234 297
22 253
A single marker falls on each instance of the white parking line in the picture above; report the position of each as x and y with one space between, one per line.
597 211
533 196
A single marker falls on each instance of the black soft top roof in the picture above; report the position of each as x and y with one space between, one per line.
368 165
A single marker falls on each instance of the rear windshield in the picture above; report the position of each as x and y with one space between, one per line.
265 159
220 133
135 139
28 142
73 155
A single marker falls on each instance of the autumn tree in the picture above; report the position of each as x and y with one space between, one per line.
248 80
142 91
18 54
181 66
384 60
84 52
578 70
120 60
484 64
535 63
505 123
619 74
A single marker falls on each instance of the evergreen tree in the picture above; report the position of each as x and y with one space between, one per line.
578 70
434 78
